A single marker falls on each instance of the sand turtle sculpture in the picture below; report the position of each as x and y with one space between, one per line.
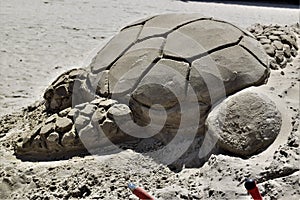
157 76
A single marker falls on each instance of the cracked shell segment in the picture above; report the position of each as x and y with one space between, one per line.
164 84
256 48
232 69
127 71
164 23
199 37
115 48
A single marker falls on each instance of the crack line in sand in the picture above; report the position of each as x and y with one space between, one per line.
139 23
246 33
154 62
254 55
218 48
180 59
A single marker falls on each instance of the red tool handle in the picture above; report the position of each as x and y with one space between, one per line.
142 194
250 185
139 192
255 194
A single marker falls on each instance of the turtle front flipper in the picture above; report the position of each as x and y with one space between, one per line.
87 128
56 138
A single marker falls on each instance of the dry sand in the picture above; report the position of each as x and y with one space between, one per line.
42 39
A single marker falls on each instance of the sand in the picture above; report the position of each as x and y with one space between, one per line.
42 39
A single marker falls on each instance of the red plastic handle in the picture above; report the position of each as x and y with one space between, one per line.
255 193
142 194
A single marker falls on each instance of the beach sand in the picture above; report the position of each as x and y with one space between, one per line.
42 39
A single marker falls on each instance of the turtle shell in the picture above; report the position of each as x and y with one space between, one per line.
171 58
